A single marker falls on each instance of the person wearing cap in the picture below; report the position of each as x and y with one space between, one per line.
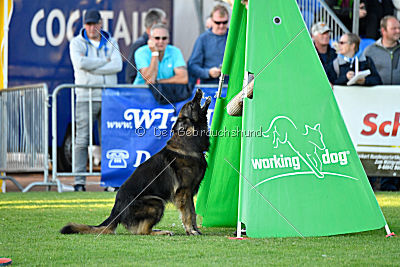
320 34
153 16
96 60
159 62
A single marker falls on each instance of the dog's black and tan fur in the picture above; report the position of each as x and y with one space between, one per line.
178 182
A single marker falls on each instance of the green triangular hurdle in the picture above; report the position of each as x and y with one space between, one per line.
299 172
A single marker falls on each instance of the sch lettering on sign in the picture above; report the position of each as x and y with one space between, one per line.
385 128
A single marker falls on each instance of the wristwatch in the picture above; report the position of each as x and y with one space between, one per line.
155 54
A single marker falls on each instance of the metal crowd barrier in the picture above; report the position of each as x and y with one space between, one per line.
317 10
24 132
90 171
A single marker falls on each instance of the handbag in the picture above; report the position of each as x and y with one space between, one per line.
165 93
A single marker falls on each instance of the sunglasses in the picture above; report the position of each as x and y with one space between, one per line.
221 22
161 38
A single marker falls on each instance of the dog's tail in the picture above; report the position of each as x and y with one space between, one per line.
106 227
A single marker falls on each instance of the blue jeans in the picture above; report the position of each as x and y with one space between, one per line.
82 135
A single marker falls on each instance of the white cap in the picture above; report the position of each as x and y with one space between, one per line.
320 28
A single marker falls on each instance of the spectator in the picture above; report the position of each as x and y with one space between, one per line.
386 54
209 23
153 16
320 35
159 61
96 60
343 67
344 9
208 51
386 51
370 13
376 10
388 8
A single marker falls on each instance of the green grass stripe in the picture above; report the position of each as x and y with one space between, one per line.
389 199
57 206
46 201
61 203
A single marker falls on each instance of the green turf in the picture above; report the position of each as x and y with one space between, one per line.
29 225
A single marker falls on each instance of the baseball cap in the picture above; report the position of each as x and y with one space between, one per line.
92 16
320 28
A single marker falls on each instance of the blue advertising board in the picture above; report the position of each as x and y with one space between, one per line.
134 127
40 32
39 36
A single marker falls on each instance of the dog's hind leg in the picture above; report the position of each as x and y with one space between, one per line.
146 215
145 227
184 202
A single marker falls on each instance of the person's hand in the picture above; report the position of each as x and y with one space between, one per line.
363 11
350 75
214 72
152 45
361 81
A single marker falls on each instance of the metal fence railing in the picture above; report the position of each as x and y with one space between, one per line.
24 131
90 171
317 10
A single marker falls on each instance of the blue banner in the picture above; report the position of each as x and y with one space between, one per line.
39 36
40 32
134 127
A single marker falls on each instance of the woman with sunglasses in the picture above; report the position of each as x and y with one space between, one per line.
347 63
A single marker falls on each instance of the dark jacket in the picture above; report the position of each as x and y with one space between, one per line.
344 67
131 72
327 58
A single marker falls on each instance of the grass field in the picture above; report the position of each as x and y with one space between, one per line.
29 225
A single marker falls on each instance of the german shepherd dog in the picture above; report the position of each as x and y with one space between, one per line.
173 174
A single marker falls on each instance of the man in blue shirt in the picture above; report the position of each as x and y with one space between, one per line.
208 51
159 62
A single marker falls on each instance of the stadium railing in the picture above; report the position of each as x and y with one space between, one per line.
317 10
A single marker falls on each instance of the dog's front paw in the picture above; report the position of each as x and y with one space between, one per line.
160 232
193 232
170 233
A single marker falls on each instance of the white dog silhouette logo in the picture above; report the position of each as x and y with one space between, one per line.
306 144
117 158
